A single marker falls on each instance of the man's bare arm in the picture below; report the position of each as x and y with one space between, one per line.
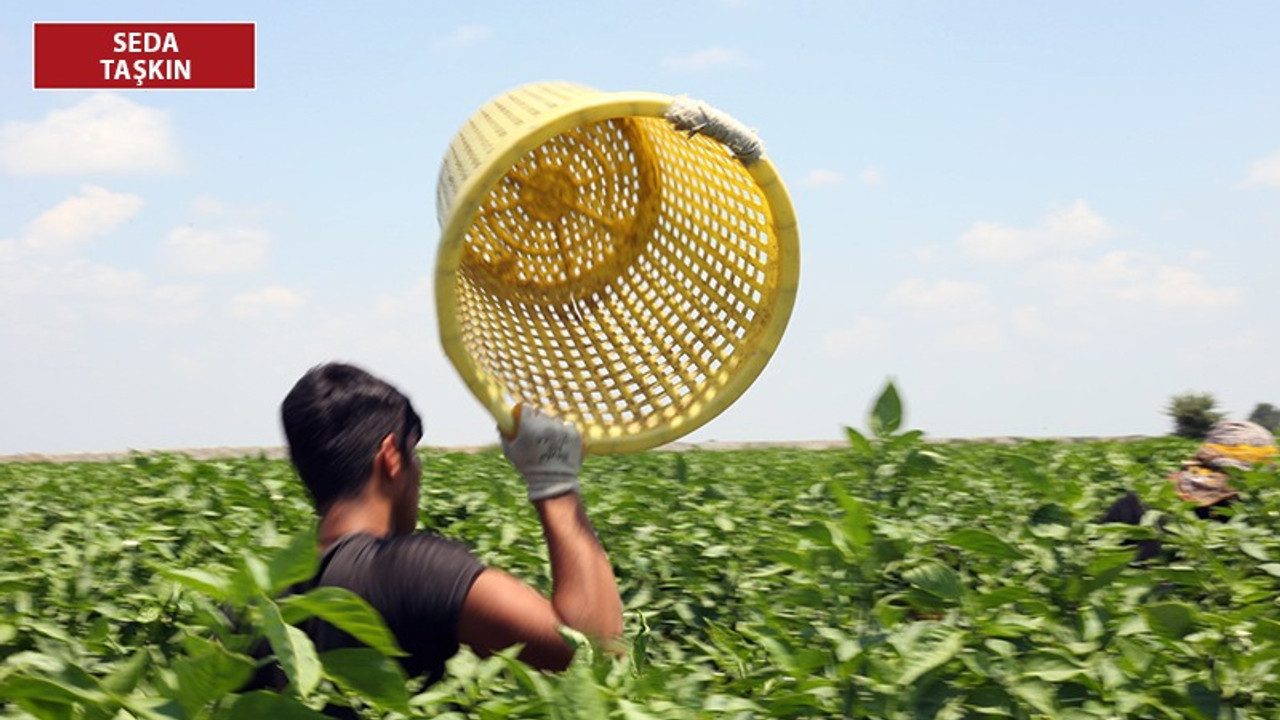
585 592
501 611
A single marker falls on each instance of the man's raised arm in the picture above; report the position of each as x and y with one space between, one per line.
500 610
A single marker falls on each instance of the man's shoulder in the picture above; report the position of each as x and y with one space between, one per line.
397 553
423 542
361 542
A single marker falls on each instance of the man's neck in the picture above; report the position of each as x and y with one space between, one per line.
369 515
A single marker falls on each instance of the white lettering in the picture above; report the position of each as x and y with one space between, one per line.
142 70
146 42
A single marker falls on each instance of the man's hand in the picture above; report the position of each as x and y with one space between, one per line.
546 451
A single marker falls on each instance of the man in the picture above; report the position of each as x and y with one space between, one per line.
1204 479
352 438
1230 444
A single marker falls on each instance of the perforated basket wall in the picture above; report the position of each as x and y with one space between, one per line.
598 263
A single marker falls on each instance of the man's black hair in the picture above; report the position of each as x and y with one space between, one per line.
335 418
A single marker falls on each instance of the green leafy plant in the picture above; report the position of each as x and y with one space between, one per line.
200 672
895 578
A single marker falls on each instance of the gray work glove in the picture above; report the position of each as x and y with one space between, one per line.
546 451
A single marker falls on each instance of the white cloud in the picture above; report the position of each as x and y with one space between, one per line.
1114 269
1265 172
864 332
965 309
216 252
970 336
60 290
97 280
1131 277
10 252
179 295
102 134
1182 288
274 302
713 57
871 176
1034 322
821 177
1074 228
1030 321
208 206
42 293
49 290
158 304
76 220
43 281
940 295
464 36
991 242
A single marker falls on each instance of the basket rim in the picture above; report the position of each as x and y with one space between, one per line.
596 106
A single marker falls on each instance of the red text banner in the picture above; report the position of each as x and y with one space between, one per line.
144 56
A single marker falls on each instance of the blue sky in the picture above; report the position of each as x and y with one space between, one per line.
1041 220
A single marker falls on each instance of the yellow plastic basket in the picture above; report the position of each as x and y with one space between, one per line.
616 269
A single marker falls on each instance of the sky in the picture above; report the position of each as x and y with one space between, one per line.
1037 219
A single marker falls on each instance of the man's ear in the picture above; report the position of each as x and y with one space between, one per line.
389 458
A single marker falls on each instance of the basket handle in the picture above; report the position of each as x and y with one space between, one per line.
696 117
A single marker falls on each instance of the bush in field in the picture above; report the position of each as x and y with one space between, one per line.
1266 415
1193 414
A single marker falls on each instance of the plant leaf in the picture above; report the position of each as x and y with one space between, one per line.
931 655
984 543
218 587
49 690
1170 619
886 415
209 673
125 678
859 442
346 611
263 704
369 674
936 579
579 697
298 561
856 523
294 650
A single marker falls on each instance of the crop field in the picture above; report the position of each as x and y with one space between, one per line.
891 579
